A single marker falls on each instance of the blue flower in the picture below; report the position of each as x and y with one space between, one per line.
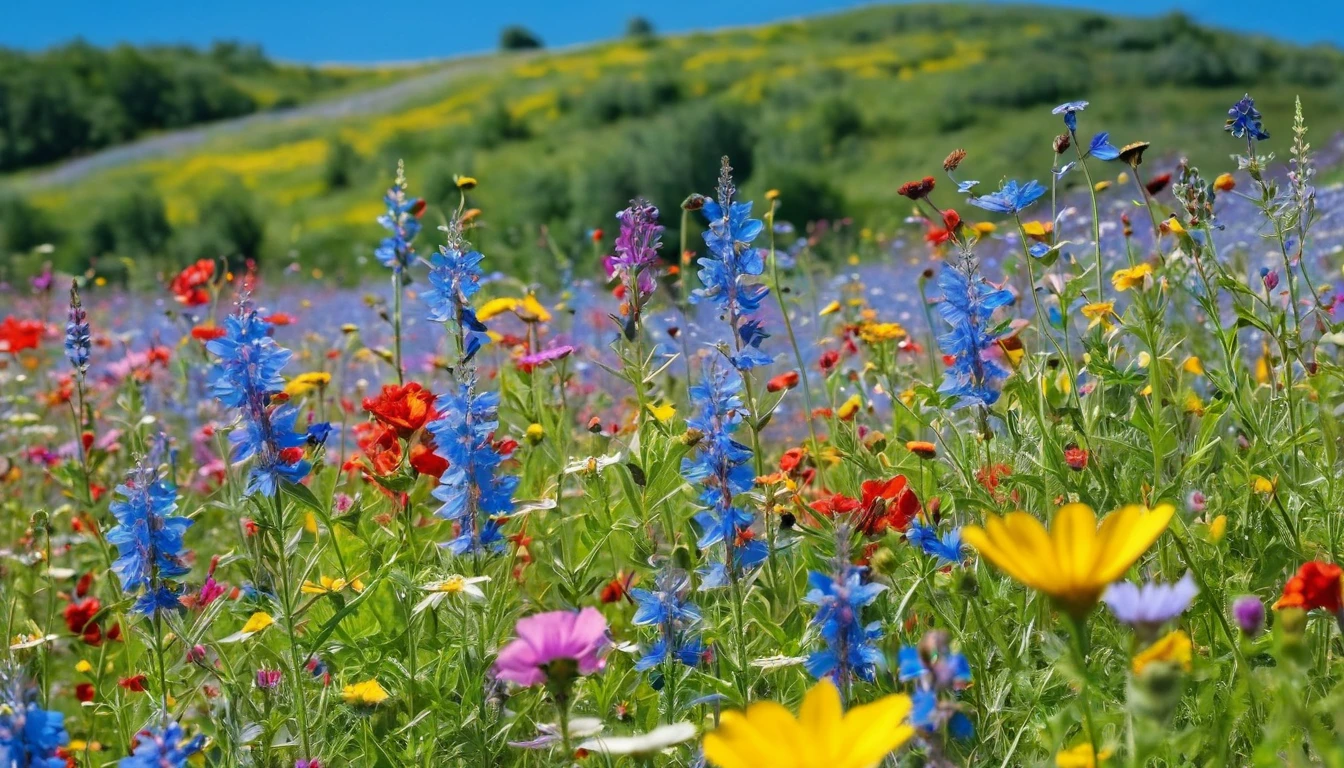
162 748
471 490
319 433
1151 605
965 187
246 376
938 673
454 278
974 376
1101 147
1070 110
721 467
849 650
947 549
1243 120
732 259
148 537
667 609
1011 198
77 342
750 355
30 736
402 221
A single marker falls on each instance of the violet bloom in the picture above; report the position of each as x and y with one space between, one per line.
636 255
548 355
1249 613
555 643
268 679
1150 606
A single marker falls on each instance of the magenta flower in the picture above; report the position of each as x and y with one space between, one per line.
547 638
548 355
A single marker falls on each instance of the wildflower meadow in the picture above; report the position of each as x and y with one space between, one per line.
1051 476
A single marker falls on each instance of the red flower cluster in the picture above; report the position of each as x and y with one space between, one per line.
1315 585
190 285
402 409
917 190
939 235
885 505
18 335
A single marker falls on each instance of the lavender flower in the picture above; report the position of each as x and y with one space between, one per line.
1151 605
1249 613
636 253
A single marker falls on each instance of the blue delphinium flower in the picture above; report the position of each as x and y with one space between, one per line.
77 342
974 377
1102 148
1011 198
454 277
402 221
938 673
29 735
732 260
1243 121
1070 112
246 376
148 537
721 467
165 747
1148 607
841 598
947 548
473 493
666 608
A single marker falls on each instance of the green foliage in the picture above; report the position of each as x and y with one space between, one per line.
133 224
518 38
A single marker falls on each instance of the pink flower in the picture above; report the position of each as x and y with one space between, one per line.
545 638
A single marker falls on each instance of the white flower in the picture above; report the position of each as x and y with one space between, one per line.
657 740
453 585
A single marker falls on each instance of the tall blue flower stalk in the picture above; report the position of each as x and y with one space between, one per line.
246 376
720 467
77 342
938 674
666 608
402 221
166 747
975 376
148 537
474 494
841 596
30 736
727 272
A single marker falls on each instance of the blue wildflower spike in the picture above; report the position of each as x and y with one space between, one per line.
938 673
974 377
472 492
402 222
732 260
849 650
148 537
666 608
77 341
166 747
1243 120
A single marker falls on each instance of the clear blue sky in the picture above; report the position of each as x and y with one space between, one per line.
369 30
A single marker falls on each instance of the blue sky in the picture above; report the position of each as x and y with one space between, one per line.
370 31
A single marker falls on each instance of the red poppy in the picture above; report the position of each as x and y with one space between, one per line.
84 692
134 683
618 587
792 458
18 335
829 359
403 409
79 614
426 461
783 381
1158 183
939 235
189 287
280 318
1315 585
885 505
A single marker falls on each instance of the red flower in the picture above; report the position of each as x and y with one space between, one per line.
829 359
189 287
885 505
425 461
1158 183
939 235
1076 458
79 614
134 683
783 381
403 409
791 459
1316 585
991 475
84 692
618 587
280 318
916 190
18 335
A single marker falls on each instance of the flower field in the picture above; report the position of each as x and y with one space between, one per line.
1051 476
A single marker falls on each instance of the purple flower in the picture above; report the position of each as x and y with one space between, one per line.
548 355
1150 606
268 679
1249 613
555 643
636 249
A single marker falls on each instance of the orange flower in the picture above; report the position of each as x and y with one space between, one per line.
403 409
783 381
1315 585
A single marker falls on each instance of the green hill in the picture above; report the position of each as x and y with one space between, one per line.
835 112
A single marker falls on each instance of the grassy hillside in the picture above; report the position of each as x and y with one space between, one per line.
835 112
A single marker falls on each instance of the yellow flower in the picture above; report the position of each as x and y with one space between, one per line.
662 411
820 737
531 311
876 333
1037 229
1193 366
1075 560
850 407
1173 225
1102 185
1193 404
1174 647
84 667
366 694
1081 756
327 585
983 228
1218 528
464 182
306 382
1123 178
257 622
1224 182
535 432
1100 313
772 195
1124 279
496 307
1261 484
830 309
